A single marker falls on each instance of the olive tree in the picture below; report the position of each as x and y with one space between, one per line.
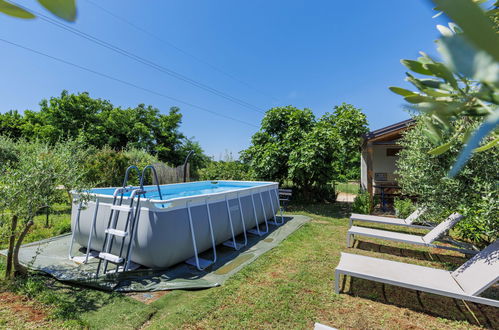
32 180
463 86
473 192
65 9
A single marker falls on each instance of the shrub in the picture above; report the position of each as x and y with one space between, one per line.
225 170
473 192
362 203
106 167
403 207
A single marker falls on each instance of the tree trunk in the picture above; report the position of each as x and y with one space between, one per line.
47 214
12 240
18 268
70 197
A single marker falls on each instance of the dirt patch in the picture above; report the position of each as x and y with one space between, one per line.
22 307
345 197
147 297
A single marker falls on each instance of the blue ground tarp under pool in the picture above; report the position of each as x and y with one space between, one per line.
50 256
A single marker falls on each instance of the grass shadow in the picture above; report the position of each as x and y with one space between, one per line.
410 253
329 210
434 305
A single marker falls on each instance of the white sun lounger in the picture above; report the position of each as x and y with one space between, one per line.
466 282
407 222
426 240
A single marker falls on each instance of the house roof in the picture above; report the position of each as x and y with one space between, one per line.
389 131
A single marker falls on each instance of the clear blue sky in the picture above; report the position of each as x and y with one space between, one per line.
313 54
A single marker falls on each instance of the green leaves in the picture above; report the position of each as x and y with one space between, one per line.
416 67
401 91
441 71
465 85
487 126
65 9
14 11
440 149
462 58
476 27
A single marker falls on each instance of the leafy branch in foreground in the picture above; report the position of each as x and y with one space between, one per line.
65 9
462 88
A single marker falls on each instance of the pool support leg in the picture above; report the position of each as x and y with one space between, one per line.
200 263
233 243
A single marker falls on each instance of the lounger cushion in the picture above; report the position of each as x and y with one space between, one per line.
374 218
479 272
385 234
400 274
442 227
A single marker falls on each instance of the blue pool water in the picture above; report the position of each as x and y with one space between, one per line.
186 189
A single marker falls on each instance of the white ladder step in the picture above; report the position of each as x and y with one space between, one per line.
111 257
230 243
123 208
116 232
203 263
81 259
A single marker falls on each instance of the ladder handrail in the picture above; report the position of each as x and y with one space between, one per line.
153 169
133 228
127 172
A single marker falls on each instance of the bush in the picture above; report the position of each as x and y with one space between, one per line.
106 167
362 203
225 170
473 192
403 207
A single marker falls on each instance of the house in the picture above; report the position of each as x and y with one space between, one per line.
378 158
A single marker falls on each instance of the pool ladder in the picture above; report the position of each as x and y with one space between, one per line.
121 260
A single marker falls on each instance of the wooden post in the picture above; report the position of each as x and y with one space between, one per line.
369 165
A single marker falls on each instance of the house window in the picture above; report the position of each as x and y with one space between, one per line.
392 152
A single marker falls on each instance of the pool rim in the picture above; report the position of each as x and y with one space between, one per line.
179 201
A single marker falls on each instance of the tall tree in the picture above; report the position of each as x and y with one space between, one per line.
281 132
292 146
99 123
351 125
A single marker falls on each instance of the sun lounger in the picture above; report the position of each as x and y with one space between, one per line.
407 222
426 240
467 282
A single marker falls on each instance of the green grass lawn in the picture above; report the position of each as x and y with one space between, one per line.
347 187
289 287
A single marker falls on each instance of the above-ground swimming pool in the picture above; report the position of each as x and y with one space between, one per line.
171 227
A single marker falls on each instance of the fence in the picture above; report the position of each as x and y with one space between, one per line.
167 174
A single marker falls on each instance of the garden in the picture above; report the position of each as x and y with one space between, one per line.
447 164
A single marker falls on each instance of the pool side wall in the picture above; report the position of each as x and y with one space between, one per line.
163 236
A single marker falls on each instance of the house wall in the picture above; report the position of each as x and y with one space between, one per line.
383 163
